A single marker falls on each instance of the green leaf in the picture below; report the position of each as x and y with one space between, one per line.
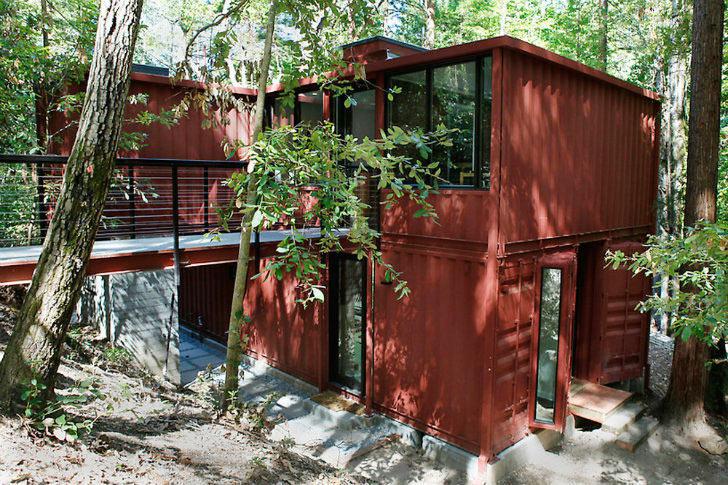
317 294
257 219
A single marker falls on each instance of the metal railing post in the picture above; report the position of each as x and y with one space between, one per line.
132 200
206 197
175 224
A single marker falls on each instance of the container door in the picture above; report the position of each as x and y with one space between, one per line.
624 330
551 349
347 323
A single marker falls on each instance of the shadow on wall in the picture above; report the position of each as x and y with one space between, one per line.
138 311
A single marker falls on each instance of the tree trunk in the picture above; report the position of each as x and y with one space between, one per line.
685 398
673 144
237 342
603 42
429 24
37 340
503 7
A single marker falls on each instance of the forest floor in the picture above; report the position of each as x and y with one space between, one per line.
146 432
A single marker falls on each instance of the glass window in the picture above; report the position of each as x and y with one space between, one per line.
359 119
459 96
310 107
548 344
453 104
409 108
281 115
485 121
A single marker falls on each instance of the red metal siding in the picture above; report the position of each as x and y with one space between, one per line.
186 140
285 334
464 216
624 331
516 296
578 153
206 296
430 347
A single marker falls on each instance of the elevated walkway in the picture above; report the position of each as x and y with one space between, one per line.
143 254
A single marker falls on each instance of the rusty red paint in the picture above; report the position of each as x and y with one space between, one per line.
574 156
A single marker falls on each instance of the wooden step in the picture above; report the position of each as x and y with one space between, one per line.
636 433
623 416
594 401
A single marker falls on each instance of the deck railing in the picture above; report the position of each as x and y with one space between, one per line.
149 197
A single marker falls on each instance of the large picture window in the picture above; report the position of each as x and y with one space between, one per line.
459 97
453 105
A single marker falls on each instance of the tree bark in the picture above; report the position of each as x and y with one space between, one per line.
236 342
429 24
604 42
37 340
685 398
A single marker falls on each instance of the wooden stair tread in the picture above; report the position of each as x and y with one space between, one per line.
636 433
594 401
624 416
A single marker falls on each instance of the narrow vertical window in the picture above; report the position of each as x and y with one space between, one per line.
486 106
548 345
453 105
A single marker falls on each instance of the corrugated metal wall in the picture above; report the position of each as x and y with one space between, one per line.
186 140
285 334
624 331
579 155
206 296
430 347
512 373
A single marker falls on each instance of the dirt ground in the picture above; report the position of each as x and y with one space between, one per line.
147 433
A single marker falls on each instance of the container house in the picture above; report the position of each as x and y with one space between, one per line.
554 164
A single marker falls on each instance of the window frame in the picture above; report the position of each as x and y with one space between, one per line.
478 138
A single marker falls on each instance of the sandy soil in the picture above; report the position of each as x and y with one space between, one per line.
151 434
666 457
147 433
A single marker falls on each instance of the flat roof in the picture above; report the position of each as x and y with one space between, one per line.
425 57
382 38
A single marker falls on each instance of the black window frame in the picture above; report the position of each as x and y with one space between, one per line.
479 146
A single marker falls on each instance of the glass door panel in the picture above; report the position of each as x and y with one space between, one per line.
548 344
347 323
551 350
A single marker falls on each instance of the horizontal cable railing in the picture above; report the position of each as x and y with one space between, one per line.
148 197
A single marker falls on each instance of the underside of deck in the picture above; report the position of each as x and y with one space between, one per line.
124 255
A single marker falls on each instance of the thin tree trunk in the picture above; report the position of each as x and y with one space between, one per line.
429 24
237 342
604 41
503 7
685 399
37 340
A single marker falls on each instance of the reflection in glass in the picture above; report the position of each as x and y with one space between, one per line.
548 344
409 107
357 120
311 107
453 105
350 338
485 124
281 115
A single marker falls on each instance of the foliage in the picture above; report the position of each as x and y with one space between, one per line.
51 417
29 60
303 182
698 263
255 413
